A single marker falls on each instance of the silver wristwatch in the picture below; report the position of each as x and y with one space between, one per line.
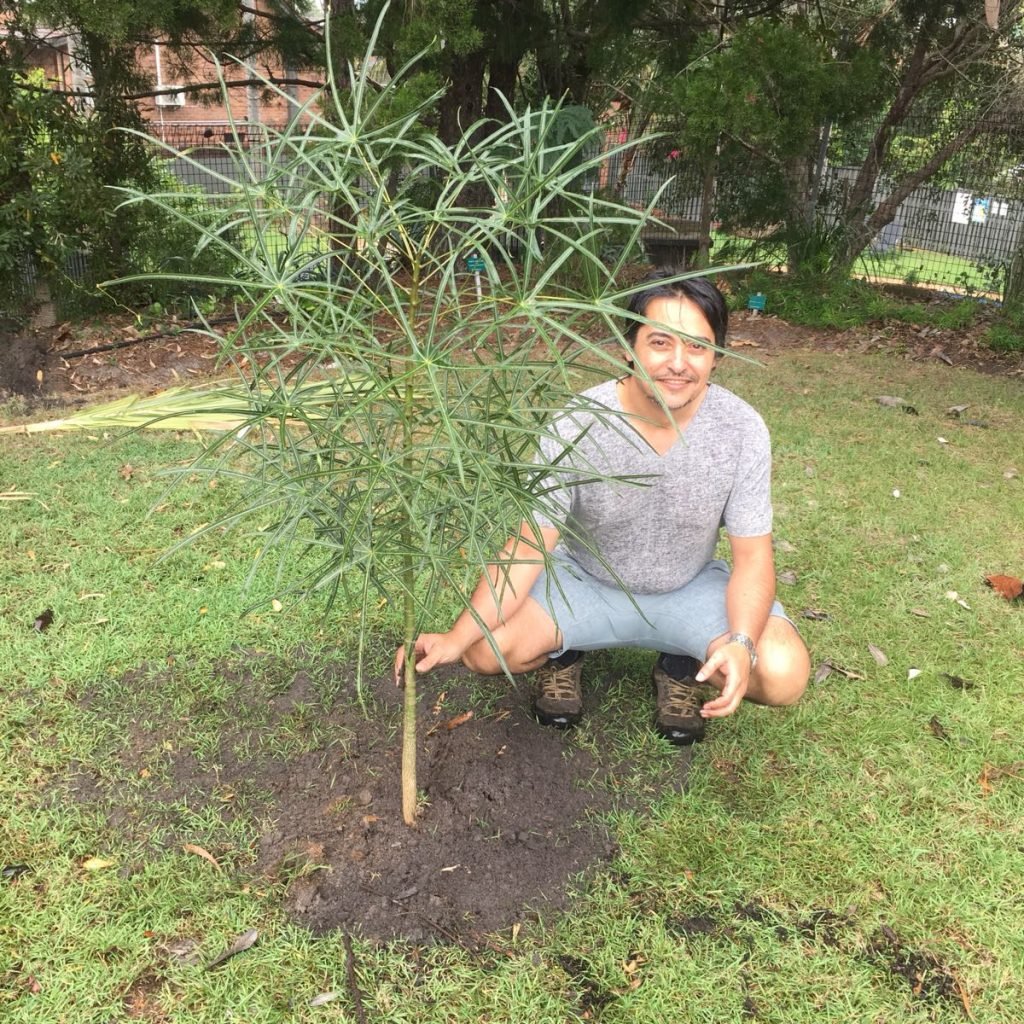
744 641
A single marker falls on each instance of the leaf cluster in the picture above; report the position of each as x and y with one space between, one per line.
357 280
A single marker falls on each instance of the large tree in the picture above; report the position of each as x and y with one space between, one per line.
761 103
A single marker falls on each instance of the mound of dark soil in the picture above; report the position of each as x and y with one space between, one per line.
509 817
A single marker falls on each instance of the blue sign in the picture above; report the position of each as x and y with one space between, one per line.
475 263
756 302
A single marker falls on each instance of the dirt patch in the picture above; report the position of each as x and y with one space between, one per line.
510 817
758 334
22 359
46 368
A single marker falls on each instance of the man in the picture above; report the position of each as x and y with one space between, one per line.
660 460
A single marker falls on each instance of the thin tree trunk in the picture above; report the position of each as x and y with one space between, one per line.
409 583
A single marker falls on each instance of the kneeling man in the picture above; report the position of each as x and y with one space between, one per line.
633 559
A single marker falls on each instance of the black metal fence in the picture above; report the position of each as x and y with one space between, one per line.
960 232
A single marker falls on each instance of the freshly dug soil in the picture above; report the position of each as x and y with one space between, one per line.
506 821
510 816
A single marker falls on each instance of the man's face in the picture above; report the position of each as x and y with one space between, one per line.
678 367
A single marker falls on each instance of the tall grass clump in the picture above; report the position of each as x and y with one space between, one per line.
394 404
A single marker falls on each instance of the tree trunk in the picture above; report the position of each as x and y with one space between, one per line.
461 105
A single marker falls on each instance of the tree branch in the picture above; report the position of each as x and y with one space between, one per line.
886 209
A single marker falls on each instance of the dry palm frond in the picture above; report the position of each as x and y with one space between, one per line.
218 407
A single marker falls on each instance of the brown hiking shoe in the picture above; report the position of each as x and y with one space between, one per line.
679 698
558 694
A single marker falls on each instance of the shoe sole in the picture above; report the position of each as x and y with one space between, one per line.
678 737
557 721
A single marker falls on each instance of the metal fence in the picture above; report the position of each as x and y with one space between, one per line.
959 232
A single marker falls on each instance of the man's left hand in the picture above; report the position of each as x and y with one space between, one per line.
728 668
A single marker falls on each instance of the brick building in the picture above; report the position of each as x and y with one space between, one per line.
54 51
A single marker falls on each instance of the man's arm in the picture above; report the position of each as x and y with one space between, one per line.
748 603
498 596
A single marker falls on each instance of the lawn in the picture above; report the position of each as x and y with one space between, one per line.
854 859
899 265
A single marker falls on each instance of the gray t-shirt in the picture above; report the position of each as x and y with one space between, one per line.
657 529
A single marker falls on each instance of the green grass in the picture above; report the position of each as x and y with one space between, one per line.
833 304
877 823
897 266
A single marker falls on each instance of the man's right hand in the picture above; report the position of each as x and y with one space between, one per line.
430 650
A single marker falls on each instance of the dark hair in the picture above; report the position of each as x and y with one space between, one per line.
701 291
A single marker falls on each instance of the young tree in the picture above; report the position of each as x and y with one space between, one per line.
403 470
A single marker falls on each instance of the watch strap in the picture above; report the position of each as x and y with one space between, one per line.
744 641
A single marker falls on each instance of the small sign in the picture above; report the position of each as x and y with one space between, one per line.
756 302
962 205
475 263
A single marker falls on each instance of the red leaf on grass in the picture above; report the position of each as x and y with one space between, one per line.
1009 587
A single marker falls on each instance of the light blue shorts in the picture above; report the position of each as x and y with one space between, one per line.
592 615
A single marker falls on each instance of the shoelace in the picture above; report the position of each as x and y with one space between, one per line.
681 699
560 684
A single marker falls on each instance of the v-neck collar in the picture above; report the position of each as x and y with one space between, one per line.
680 433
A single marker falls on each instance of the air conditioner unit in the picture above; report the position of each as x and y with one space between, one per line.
170 99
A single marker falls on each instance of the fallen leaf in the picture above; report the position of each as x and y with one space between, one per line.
1009 587
892 402
958 682
878 654
784 546
942 440
200 852
920 613
937 728
96 864
848 672
276 605
786 576
957 411
1011 474
43 621
454 723
815 615
913 673
244 941
126 471
324 997
991 772
823 672
952 595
